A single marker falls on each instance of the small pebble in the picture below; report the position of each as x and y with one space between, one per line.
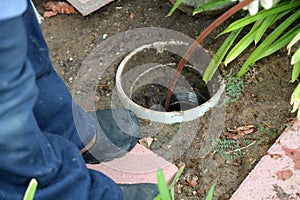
179 188
132 15
193 183
97 99
104 36
192 180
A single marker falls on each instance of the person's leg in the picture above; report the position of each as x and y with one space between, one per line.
27 152
53 109
116 131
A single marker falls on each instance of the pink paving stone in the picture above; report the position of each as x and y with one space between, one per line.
86 7
137 166
277 174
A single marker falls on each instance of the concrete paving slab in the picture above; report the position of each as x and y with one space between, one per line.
277 174
138 166
86 7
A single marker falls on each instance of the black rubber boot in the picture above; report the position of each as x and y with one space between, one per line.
117 133
144 191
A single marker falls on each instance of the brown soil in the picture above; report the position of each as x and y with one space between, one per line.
264 101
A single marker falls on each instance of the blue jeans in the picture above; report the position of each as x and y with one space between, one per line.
38 137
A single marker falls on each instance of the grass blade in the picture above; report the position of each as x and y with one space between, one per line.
285 6
210 193
162 186
213 4
178 174
220 54
30 191
267 42
175 6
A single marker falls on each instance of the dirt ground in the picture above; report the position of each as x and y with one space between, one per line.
264 102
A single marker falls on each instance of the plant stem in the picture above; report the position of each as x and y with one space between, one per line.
203 35
240 149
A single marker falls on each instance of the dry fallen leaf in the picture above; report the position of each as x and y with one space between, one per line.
243 128
246 132
239 132
146 142
203 135
48 14
231 135
56 7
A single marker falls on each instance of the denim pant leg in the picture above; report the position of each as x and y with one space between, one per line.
27 152
53 109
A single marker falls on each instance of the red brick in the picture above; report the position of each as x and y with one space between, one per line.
277 175
138 166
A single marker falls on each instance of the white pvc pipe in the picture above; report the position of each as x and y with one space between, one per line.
157 116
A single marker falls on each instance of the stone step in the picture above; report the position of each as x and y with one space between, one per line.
86 7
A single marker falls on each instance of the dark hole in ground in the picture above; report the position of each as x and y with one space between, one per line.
150 89
153 96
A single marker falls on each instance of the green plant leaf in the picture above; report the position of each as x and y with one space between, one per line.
213 4
296 71
175 6
296 57
210 193
296 93
285 6
268 21
282 41
220 54
162 186
267 42
255 33
177 175
295 100
294 41
242 44
157 197
30 191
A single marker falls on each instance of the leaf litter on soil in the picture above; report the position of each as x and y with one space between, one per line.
57 7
